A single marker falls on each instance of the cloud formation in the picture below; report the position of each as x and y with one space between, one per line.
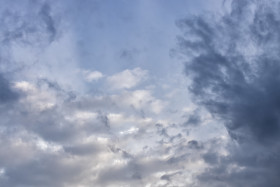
131 123
127 78
234 65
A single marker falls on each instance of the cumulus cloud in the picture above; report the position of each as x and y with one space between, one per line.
127 78
68 141
93 75
234 65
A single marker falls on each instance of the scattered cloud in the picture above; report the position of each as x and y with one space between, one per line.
93 76
127 79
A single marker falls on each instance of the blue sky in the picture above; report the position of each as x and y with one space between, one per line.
139 93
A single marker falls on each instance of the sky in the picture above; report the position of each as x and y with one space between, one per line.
139 93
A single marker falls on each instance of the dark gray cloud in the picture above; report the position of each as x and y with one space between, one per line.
234 64
45 13
7 94
193 119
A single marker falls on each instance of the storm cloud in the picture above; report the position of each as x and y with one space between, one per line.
233 62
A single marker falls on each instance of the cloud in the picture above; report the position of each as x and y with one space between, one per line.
91 139
17 25
7 94
58 130
127 79
48 20
93 76
233 62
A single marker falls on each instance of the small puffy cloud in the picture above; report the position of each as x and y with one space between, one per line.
127 79
93 75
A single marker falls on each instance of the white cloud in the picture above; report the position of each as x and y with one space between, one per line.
127 78
95 138
38 99
93 76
